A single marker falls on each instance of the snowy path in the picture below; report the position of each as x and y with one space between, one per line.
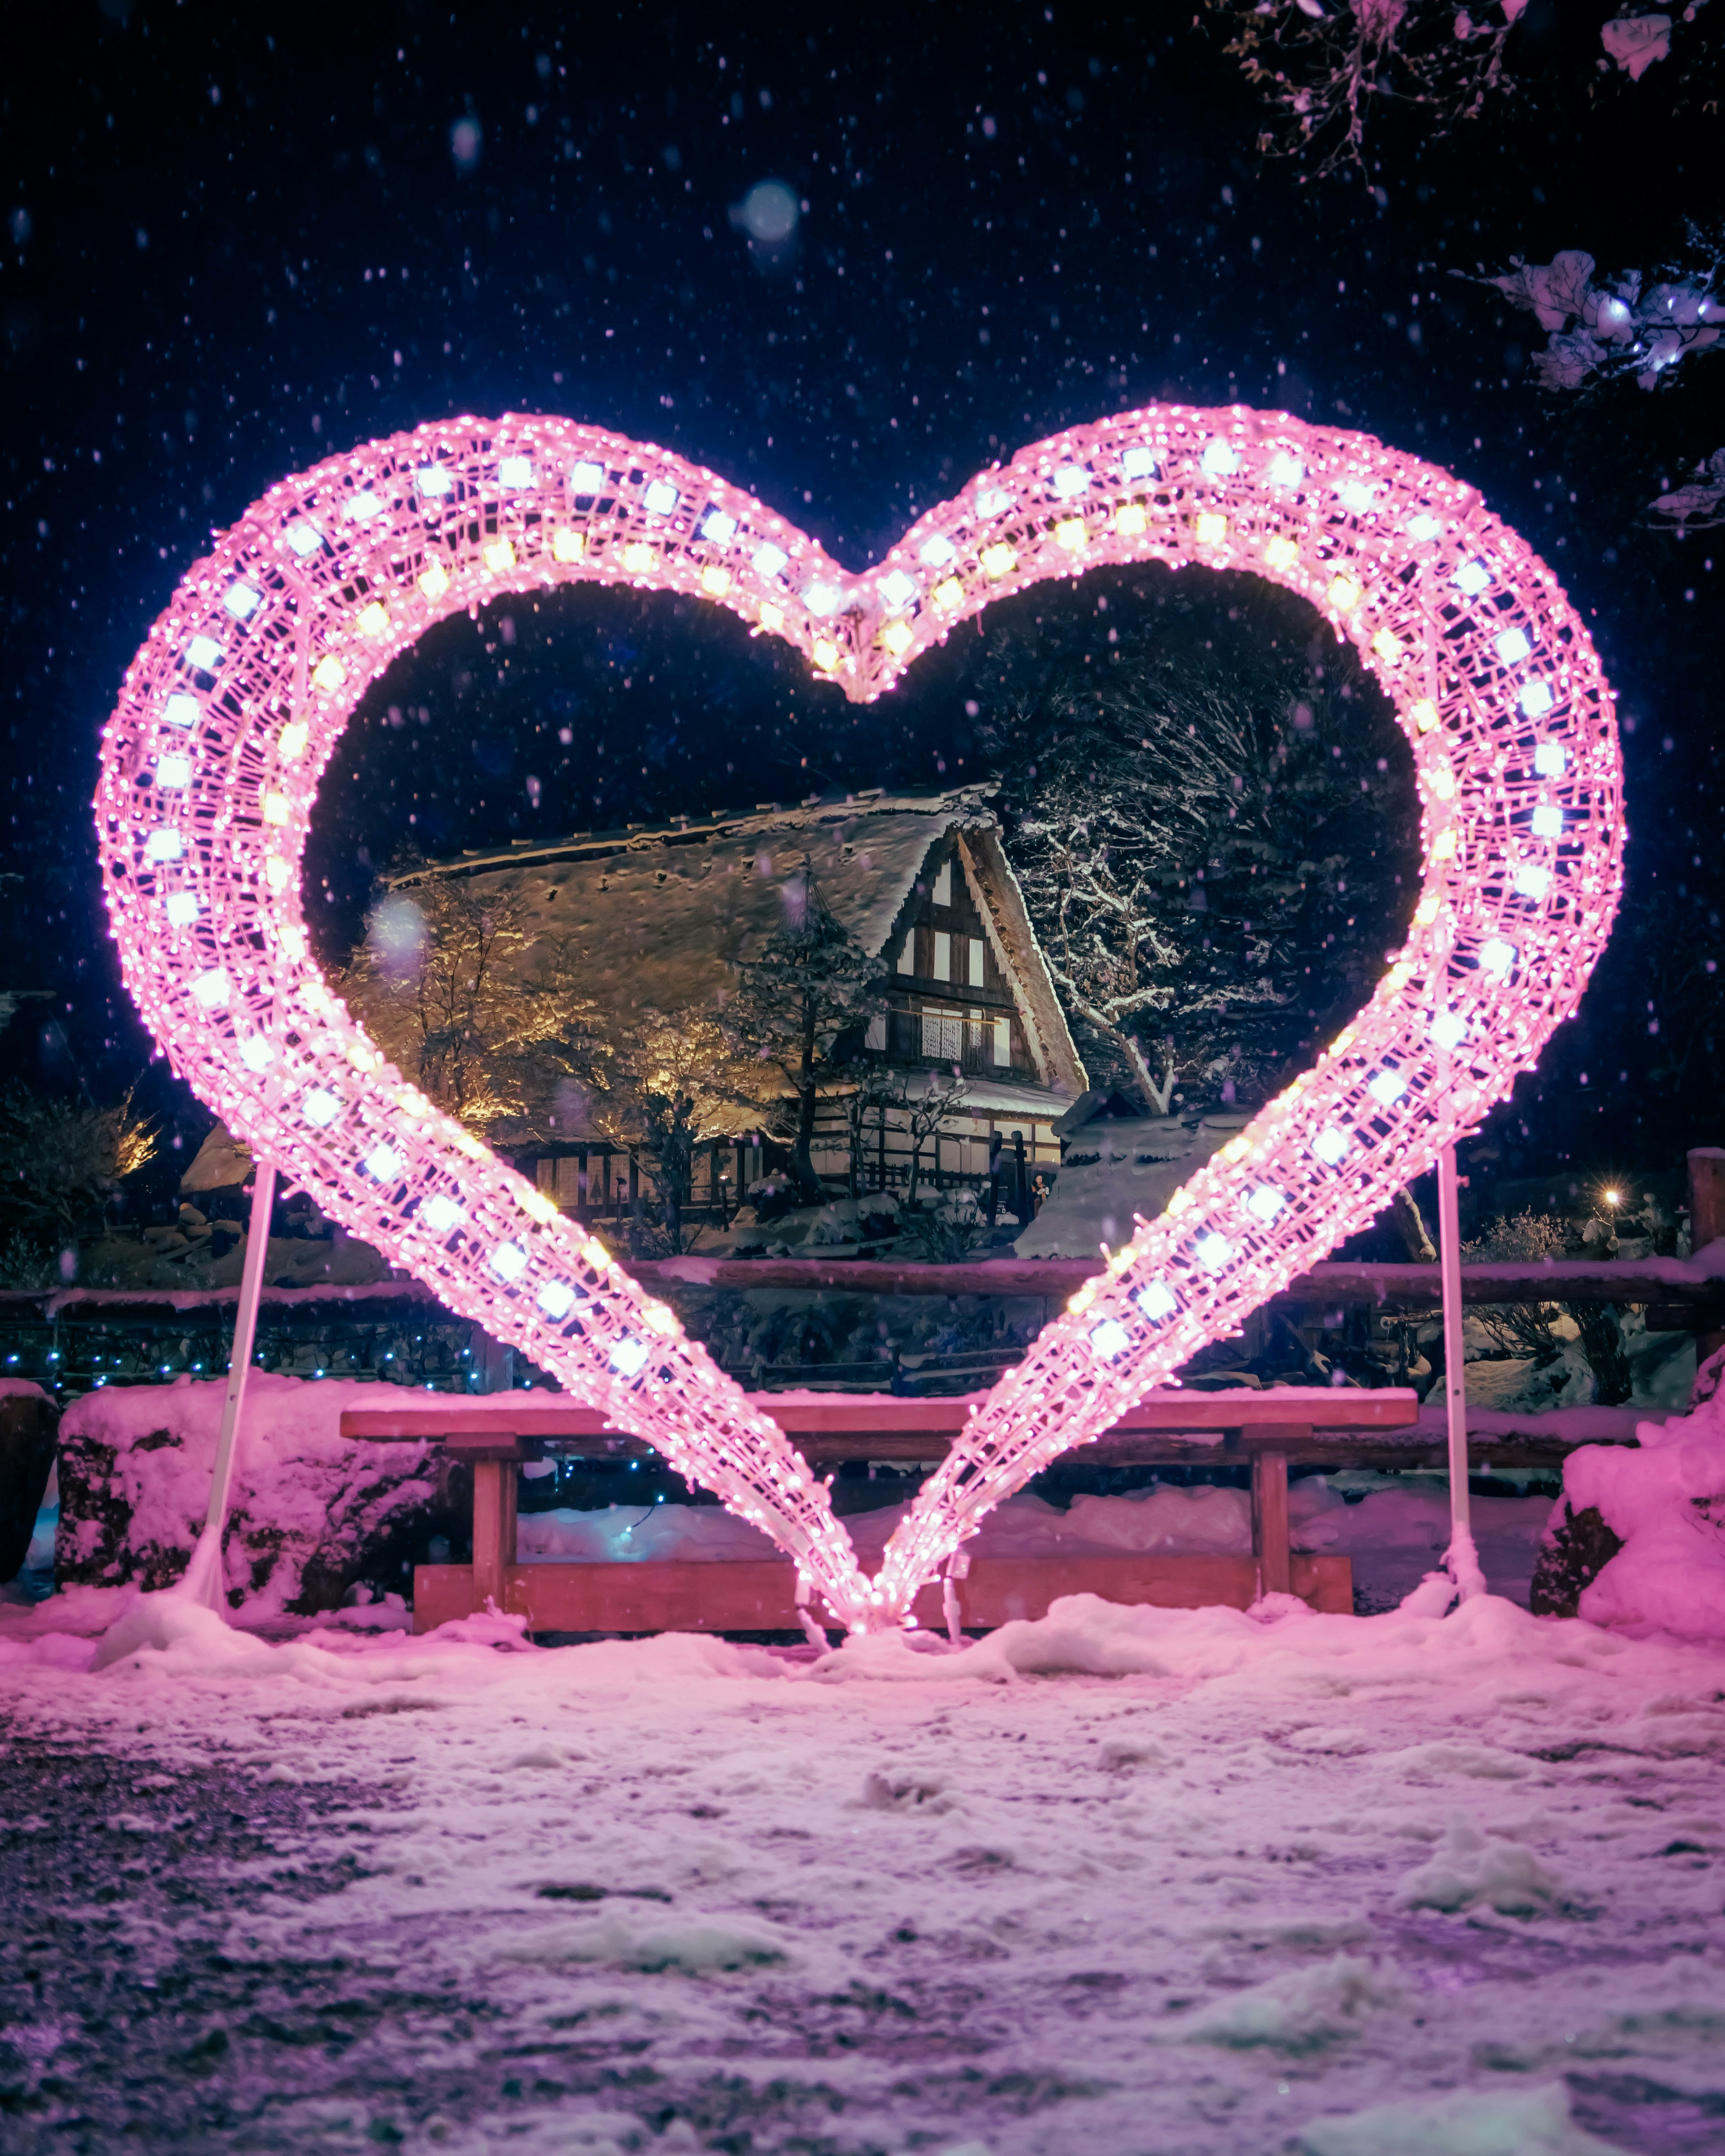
1176 1881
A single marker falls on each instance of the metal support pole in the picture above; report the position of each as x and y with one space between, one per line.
1463 1558
203 1575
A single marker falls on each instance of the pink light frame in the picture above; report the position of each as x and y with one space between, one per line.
241 692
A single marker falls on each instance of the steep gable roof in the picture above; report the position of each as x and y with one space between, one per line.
665 914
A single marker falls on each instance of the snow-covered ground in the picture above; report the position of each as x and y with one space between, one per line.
1135 1883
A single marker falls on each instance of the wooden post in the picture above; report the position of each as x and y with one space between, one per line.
1270 1521
1268 1445
1706 1222
495 1484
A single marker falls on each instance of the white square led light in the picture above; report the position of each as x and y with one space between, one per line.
1071 480
1215 1252
1422 528
1355 494
628 1356
204 654
322 1107
305 539
361 506
1549 759
439 1213
1110 1338
174 773
1471 578
1138 463
383 1162
182 710
821 599
1330 1146
1387 1087
768 561
718 527
1536 701
256 1053
1532 880
1266 1201
1157 1301
938 552
1218 459
660 497
992 502
587 479
182 908
515 471
1548 822
1449 1029
1512 647
432 480
1285 470
1498 957
556 1298
897 589
213 989
164 846
509 1261
241 600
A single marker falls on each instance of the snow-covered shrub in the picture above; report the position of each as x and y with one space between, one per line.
1638 1537
313 1512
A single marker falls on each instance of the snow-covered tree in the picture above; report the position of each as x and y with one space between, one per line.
1329 69
454 986
62 1159
1698 506
671 1083
797 1012
1621 326
1196 841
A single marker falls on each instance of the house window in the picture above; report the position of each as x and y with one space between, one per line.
875 1036
906 962
943 955
943 1035
976 960
943 888
1003 1043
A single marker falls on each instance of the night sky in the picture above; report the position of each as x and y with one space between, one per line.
236 243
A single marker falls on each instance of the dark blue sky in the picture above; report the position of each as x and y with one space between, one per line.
239 242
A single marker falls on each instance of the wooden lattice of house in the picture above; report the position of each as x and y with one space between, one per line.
667 914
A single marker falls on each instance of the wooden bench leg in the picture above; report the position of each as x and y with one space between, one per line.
495 1484
1270 1521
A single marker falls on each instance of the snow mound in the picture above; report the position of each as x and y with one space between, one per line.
1295 2012
1665 1500
692 1944
1502 2123
1469 1869
185 1631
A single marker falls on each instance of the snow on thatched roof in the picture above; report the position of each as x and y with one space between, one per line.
665 914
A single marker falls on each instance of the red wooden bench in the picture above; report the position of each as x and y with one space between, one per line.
1266 1430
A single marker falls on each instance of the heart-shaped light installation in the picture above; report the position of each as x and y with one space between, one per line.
229 712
